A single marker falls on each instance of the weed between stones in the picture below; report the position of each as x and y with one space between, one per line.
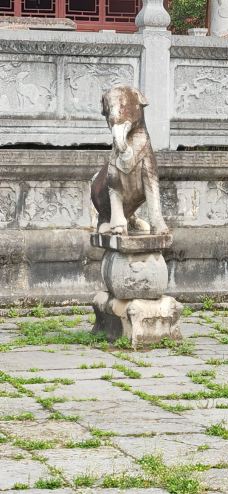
123 342
183 347
49 402
84 481
96 365
203 447
87 444
91 318
38 311
20 486
176 479
53 331
214 361
127 371
155 400
130 358
125 481
60 416
218 430
51 483
187 311
102 433
21 417
35 444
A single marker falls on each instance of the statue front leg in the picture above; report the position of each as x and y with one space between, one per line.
152 193
118 221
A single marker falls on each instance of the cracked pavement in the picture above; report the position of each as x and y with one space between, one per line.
67 397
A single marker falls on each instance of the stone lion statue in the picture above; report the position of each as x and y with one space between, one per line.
130 178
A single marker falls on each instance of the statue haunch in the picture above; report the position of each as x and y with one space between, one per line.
131 177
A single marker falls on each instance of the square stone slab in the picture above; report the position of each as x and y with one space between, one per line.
23 472
131 243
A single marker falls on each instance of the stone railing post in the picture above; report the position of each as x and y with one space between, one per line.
152 21
218 18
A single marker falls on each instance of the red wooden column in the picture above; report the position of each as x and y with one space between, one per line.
60 8
17 8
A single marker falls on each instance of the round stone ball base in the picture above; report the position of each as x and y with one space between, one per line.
142 321
131 276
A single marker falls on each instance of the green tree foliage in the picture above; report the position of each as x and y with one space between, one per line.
186 14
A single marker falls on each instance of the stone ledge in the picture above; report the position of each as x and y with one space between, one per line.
132 243
83 164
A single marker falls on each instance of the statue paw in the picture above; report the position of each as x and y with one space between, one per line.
138 225
119 230
160 229
104 228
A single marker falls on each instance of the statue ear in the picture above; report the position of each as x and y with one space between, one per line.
142 99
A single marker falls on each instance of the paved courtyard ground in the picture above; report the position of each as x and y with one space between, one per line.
77 415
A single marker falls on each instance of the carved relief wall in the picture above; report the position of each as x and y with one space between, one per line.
27 88
197 203
85 83
200 89
45 205
55 87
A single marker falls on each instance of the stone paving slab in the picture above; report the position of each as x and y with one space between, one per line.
16 361
95 462
100 407
49 430
83 390
180 448
75 374
24 471
16 406
142 418
216 479
163 388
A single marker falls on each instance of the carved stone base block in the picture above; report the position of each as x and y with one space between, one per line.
130 276
142 321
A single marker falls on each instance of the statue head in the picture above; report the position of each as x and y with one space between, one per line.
122 107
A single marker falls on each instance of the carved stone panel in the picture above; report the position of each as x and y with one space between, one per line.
193 203
27 88
85 83
196 203
200 90
8 204
53 205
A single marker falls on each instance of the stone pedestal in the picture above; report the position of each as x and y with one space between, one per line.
134 305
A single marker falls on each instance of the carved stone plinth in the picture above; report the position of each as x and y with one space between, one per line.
142 321
134 305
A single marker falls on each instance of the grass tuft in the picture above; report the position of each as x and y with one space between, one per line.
84 481
19 486
218 430
87 444
51 483
102 433
127 371
123 342
34 444
125 481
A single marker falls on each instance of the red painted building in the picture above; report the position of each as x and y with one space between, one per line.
89 15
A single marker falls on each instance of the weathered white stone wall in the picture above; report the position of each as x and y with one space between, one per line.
198 92
50 90
46 217
51 84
